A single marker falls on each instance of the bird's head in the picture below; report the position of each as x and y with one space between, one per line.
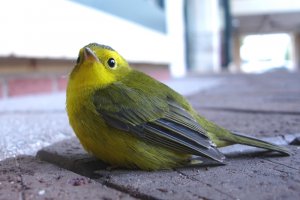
98 66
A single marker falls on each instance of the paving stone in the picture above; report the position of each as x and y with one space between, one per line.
25 177
70 155
253 178
265 93
266 102
259 125
241 178
260 105
245 173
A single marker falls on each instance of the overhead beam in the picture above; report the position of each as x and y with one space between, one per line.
258 7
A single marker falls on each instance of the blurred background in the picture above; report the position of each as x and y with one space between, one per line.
40 39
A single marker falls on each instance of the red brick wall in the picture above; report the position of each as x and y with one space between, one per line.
26 76
25 86
62 82
19 85
1 88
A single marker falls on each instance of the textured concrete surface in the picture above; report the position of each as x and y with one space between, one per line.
258 124
69 154
25 177
244 178
266 106
27 132
263 93
260 105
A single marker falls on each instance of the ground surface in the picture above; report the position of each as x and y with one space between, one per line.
265 106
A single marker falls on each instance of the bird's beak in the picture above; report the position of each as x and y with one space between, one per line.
88 54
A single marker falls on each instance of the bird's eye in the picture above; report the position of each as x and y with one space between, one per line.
78 60
111 63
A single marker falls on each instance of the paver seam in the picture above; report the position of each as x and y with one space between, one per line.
282 171
130 191
207 184
248 111
19 174
278 163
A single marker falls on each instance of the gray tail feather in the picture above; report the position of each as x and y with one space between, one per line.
252 141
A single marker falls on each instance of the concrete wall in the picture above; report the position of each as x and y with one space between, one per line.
258 7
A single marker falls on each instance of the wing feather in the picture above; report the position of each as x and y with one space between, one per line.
155 117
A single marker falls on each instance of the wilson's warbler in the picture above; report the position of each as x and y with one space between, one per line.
128 119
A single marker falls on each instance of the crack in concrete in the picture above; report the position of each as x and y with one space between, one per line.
207 184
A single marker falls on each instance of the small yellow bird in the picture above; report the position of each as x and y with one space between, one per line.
128 119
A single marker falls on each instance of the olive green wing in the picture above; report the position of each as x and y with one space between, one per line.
153 117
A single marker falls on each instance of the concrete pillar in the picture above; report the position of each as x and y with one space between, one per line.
236 67
176 36
296 51
203 35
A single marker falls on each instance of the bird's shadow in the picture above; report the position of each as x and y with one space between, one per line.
70 155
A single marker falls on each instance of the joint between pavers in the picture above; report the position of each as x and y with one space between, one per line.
278 163
208 185
23 186
250 111
130 191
